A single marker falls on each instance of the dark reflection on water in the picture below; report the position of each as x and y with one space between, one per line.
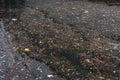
8 8
106 0
14 3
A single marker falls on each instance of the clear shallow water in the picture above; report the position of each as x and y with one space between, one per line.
6 56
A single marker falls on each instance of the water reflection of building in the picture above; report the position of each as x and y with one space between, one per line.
8 6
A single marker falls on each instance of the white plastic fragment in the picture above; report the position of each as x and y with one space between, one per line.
50 76
85 11
2 56
114 72
14 19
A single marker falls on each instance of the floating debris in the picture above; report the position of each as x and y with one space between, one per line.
14 19
102 78
27 50
50 76
85 11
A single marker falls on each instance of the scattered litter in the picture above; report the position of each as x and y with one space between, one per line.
26 49
50 76
2 56
14 19
85 11
101 78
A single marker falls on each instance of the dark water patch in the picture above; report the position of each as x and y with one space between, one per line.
112 36
8 8
109 2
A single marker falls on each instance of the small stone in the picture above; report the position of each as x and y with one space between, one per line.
114 72
40 42
87 60
39 69
22 69
74 8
